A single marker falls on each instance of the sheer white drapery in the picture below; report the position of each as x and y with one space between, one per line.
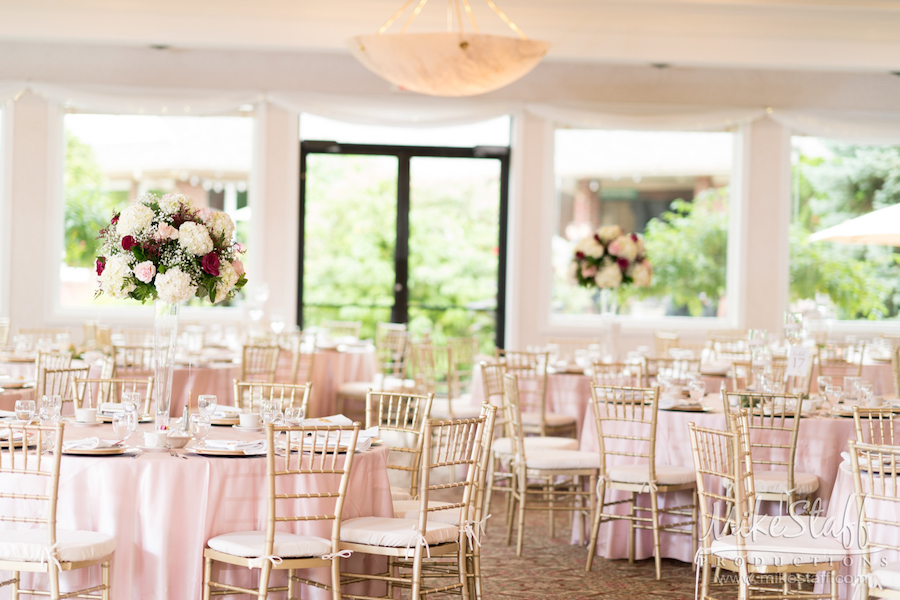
10 90
854 127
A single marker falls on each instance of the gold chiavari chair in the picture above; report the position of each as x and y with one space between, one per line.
530 369
729 344
306 452
91 393
259 363
133 337
622 374
626 419
677 370
763 553
876 487
132 362
745 374
895 369
4 332
551 480
568 348
43 548
463 351
52 360
450 464
665 341
840 360
436 372
302 363
391 353
104 337
400 419
773 425
341 329
60 382
249 395
874 425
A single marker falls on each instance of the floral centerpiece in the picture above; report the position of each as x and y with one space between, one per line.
609 258
164 248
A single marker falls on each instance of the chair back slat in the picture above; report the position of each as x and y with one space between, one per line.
530 369
625 420
620 374
259 362
876 486
249 395
91 393
400 419
874 425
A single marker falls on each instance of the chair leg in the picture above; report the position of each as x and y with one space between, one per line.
704 579
595 525
696 519
14 588
207 578
489 484
54 581
657 556
335 579
631 530
523 498
834 583
548 493
463 561
415 592
104 579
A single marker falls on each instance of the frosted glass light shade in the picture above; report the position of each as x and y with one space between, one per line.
448 64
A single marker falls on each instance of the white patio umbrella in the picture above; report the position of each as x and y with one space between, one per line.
879 227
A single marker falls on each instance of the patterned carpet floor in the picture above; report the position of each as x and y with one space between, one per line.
553 568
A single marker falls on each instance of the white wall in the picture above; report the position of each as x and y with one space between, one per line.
758 271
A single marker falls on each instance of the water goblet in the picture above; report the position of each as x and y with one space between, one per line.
200 425
207 404
25 410
834 394
822 383
131 401
697 389
123 425
52 404
294 415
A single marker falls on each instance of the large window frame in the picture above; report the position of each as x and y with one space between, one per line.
6 131
574 325
404 155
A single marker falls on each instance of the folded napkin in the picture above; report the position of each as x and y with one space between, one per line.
108 408
673 402
7 414
91 443
17 435
226 412
363 442
328 421
250 448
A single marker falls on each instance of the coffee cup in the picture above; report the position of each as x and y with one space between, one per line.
156 439
249 419
86 415
178 440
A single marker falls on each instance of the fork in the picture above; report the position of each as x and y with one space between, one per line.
176 455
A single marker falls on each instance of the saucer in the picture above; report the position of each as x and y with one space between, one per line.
249 429
153 448
82 424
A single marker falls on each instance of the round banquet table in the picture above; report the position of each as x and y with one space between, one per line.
163 509
819 446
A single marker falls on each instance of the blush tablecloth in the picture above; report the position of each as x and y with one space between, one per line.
163 509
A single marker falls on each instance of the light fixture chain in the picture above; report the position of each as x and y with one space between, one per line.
506 19
471 15
394 17
413 16
458 16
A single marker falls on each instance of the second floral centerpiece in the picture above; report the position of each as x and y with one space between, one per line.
609 258
163 247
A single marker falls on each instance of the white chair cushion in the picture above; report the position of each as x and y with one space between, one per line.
30 545
356 389
552 419
888 576
395 533
775 482
534 443
783 541
563 459
398 493
665 474
251 544
409 509
462 409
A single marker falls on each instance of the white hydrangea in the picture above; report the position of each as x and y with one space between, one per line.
609 276
590 247
194 238
171 204
221 225
642 274
607 233
115 279
174 286
623 247
134 220
227 278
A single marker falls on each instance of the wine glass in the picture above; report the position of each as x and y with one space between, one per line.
270 411
25 410
51 405
822 383
124 424
697 389
199 427
294 415
207 404
131 401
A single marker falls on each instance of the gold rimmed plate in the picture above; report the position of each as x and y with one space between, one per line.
17 384
220 452
95 451
225 421
108 418
689 408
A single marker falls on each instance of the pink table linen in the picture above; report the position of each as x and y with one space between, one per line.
163 509
332 368
818 451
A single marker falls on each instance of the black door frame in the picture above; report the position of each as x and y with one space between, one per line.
404 155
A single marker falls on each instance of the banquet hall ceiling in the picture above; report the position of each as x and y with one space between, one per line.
781 34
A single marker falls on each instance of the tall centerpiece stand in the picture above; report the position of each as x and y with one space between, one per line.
166 249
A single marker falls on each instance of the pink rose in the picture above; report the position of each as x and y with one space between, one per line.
204 214
145 271
128 242
588 271
238 267
166 232
210 264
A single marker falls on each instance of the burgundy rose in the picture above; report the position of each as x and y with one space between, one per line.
597 237
101 264
634 237
128 242
623 264
210 264
579 255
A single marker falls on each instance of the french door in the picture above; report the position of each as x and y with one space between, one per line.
408 234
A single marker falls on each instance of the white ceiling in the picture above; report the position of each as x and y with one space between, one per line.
781 34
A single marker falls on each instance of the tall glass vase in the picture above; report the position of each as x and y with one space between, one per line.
165 334
607 302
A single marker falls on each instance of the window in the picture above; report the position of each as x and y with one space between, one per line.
834 182
110 160
670 187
